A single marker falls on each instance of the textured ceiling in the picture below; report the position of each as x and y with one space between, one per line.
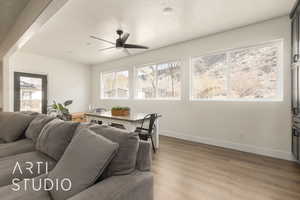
66 35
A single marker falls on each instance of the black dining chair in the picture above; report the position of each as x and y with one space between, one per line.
146 133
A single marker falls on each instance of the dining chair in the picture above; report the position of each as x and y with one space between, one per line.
146 133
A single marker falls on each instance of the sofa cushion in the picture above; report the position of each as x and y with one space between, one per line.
8 164
17 147
135 186
55 137
32 113
26 191
83 162
125 160
13 125
35 127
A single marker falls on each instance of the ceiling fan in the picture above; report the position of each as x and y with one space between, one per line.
120 42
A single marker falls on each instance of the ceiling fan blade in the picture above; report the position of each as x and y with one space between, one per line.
106 48
127 52
96 38
125 37
134 46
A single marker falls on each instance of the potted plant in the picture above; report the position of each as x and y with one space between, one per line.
60 110
120 111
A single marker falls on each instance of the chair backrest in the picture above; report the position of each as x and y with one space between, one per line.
152 118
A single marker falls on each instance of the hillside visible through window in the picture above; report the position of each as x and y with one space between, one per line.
250 73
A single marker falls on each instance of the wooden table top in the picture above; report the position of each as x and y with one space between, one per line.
133 117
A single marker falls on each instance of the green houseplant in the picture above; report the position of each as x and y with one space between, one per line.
60 110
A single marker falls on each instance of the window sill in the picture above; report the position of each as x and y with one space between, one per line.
114 99
158 99
237 100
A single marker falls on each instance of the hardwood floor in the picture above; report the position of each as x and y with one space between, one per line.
190 171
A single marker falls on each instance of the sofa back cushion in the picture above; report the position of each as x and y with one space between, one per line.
32 113
83 125
13 125
55 137
125 160
83 162
35 127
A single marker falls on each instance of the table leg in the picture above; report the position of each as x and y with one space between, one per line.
156 134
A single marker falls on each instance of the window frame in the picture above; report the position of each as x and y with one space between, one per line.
136 67
280 76
115 71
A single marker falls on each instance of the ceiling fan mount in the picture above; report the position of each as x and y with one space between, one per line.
120 32
120 42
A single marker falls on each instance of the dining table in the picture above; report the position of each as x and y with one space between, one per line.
130 122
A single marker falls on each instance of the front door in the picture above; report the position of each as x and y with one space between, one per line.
30 93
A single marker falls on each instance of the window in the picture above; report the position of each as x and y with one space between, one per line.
168 80
160 81
146 82
115 85
209 77
243 74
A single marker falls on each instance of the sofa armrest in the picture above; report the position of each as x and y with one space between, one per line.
135 186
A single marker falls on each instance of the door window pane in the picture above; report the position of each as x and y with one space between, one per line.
146 82
30 94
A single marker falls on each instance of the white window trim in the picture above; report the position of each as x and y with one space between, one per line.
114 71
155 76
280 81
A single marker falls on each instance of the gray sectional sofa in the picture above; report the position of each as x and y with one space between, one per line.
97 162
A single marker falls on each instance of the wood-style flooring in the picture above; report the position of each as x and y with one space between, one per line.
191 171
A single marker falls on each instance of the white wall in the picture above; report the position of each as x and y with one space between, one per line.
66 80
259 127
1 83
30 20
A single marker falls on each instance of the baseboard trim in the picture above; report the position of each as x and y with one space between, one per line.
236 146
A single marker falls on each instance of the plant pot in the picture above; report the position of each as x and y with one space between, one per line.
120 112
